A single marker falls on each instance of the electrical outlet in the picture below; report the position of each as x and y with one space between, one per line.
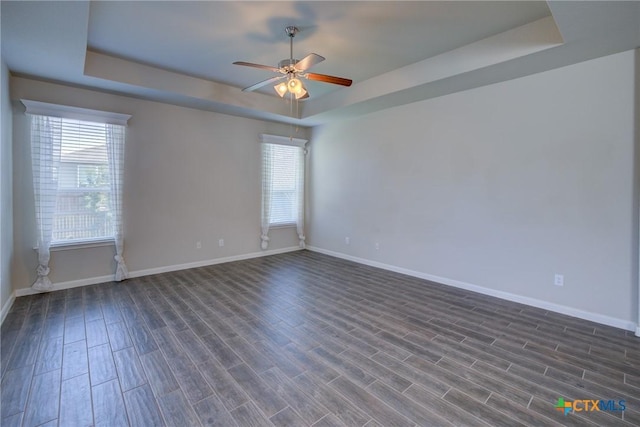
347 241
558 280
221 242
377 245
198 244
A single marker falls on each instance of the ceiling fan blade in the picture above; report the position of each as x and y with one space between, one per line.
309 61
262 83
263 67
329 79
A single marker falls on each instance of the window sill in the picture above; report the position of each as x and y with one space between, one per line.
274 226
65 246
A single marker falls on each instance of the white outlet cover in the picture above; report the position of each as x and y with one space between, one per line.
558 280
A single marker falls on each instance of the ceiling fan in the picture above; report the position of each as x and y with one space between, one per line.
291 70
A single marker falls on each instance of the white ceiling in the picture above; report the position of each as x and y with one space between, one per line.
395 52
360 40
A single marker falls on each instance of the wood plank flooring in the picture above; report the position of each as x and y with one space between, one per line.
303 339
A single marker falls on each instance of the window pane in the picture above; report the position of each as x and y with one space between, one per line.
284 196
82 214
83 205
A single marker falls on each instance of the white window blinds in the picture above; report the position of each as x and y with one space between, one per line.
83 204
283 161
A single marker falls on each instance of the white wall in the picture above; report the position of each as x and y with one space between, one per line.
499 187
190 175
6 193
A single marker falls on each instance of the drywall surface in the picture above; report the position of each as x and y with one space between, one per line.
500 187
189 176
6 189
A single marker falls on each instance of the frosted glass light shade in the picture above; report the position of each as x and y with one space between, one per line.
281 89
293 86
299 94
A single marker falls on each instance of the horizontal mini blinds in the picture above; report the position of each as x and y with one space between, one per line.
81 176
283 164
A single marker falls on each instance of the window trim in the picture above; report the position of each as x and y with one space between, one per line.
265 214
80 244
275 140
282 140
283 225
67 112
74 113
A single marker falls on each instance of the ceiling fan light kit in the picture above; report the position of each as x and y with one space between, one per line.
293 86
292 70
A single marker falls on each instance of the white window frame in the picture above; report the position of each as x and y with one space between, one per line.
267 188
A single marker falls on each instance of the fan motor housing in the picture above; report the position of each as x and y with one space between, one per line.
287 63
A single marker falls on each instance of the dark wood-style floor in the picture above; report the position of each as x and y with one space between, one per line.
304 339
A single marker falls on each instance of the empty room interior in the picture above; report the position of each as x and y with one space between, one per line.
320 213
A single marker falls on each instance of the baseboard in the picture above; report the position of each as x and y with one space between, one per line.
169 268
157 270
562 309
7 306
67 285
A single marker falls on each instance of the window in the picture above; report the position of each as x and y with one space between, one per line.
83 199
77 160
283 161
285 166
